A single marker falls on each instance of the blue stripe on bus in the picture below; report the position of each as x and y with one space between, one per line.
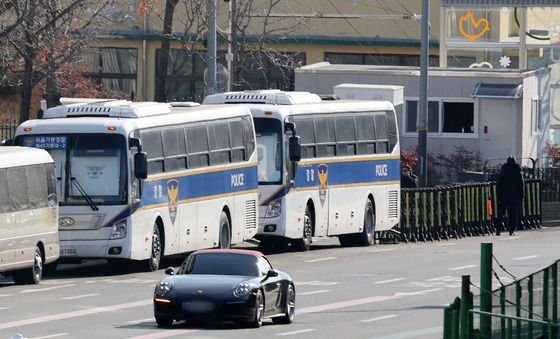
199 185
322 175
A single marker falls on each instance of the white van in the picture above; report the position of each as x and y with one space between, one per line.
28 213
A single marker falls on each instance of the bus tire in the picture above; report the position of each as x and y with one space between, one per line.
33 274
156 251
304 244
367 237
225 232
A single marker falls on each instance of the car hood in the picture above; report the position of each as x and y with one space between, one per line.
206 285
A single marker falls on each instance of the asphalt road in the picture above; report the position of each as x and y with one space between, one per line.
384 292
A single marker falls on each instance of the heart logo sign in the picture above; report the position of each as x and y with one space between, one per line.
467 23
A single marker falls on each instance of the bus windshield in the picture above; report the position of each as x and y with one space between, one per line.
269 150
90 168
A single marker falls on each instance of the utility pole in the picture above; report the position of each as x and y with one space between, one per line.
211 58
232 40
422 121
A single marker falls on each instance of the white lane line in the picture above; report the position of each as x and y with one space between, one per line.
6 295
388 281
383 250
314 292
527 257
3 308
47 288
139 321
321 259
388 316
462 267
447 244
296 332
80 296
51 336
509 238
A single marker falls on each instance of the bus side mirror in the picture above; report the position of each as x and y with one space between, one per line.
295 148
141 165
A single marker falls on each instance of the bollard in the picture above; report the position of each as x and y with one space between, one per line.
485 289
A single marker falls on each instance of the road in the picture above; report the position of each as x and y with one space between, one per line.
385 291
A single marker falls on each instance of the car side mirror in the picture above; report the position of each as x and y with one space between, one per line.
169 271
271 273
141 165
295 148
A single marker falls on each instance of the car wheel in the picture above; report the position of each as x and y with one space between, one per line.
155 256
259 310
290 307
225 234
368 234
163 321
33 274
304 244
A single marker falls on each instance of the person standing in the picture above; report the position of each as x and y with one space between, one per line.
510 190
408 180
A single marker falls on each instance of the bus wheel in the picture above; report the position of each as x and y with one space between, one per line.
304 243
33 274
367 238
225 236
155 256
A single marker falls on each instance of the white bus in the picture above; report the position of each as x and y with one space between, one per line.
326 168
28 213
144 180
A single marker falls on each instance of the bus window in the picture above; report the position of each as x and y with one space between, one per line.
381 132
153 146
269 149
236 141
326 143
304 128
174 149
365 131
197 146
4 198
345 135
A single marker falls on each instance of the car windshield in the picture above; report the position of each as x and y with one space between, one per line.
220 264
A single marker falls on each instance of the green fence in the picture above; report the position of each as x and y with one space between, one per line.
525 308
460 210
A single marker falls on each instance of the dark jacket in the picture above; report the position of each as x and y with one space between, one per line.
510 186
409 181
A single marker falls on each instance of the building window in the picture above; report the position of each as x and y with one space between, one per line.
536 114
412 116
378 59
112 69
458 117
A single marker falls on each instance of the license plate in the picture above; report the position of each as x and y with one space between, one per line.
68 251
198 307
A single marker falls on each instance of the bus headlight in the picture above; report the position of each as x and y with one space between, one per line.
274 209
119 230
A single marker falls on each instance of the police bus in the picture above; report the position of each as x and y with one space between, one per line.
28 213
326 168
144 180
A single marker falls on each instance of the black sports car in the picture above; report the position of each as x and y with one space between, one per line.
238 285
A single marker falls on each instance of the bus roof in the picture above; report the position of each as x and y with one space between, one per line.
15 156
108 108
99 122
271 96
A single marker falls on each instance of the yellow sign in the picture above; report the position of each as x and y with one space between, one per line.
480 26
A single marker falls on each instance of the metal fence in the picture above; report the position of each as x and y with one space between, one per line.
525 308
8 129
460 210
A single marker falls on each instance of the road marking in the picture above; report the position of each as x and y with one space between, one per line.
509 238
314 292
3 308
80 296
361 301
383 250
527 257
317 283
447 244
74 314
413 334
51 336
297 332
389 316
321 259
388 281
164 334
47 288
6 295
462 267
132 322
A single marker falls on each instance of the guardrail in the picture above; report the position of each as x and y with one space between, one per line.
525 308
8 129
460 210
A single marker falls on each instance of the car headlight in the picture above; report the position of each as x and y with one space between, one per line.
242 289
274 209
119 230
163 287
